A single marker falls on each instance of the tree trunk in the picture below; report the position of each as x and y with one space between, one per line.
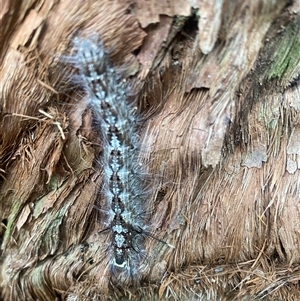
216 85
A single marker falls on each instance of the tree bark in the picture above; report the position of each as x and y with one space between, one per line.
217 87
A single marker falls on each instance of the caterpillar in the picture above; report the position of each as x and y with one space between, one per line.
124 180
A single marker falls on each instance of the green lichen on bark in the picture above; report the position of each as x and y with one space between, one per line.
285 57
11 222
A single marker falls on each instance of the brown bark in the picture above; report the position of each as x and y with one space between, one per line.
217 83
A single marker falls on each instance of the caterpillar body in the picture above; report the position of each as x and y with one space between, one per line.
123 176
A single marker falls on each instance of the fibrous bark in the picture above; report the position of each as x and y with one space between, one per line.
217 86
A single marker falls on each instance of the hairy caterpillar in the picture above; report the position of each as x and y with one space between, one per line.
123 176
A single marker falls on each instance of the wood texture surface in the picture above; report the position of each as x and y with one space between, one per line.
217 86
